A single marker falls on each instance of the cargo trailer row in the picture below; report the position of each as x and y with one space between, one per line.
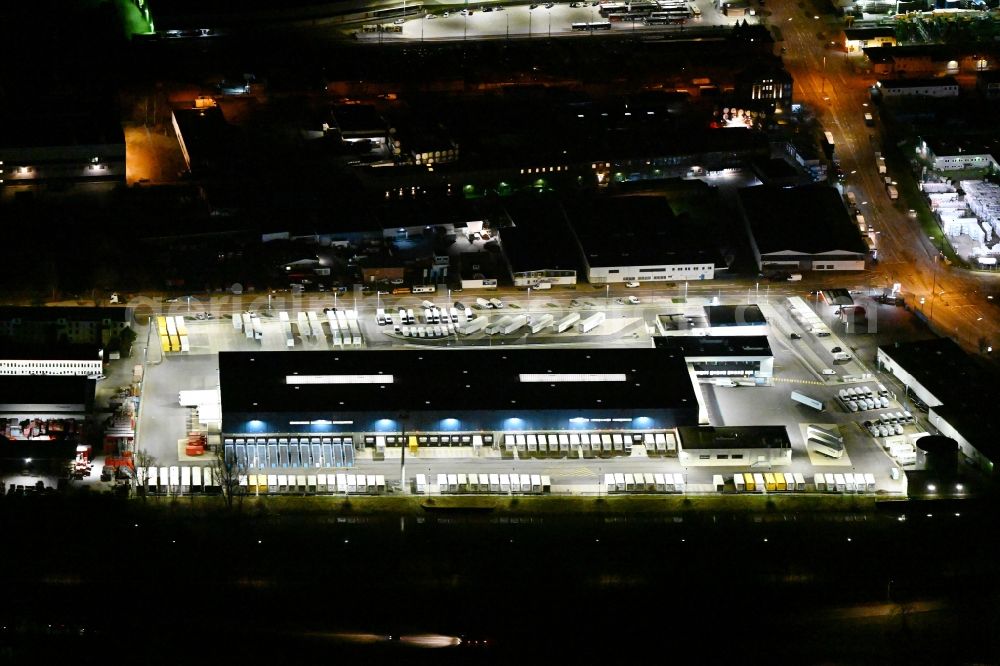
846 482
644 482
439 331
861 398
317 452
591 322
344 328
588 444
484 483
309 484
177 479
758 482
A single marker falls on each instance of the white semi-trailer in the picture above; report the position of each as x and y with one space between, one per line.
498 325
567 322
591 322
540 323
516 323
806 400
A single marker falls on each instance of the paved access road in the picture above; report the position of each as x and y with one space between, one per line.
955 300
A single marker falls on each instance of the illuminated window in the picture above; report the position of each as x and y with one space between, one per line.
573 377
339 379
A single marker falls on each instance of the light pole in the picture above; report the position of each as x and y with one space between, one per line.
607 295
550 22
530 14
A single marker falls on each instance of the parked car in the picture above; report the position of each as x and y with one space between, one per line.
634 300
795 336
632 284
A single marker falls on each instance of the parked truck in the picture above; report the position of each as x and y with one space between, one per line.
516 323
474 326
567 322
498 325
803 399
539 323
591 322
893 192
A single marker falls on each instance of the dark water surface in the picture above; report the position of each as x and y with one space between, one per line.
800 588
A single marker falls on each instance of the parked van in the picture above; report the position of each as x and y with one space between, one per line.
483 303
496 302
423 289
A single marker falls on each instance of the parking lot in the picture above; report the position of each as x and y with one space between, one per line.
475 20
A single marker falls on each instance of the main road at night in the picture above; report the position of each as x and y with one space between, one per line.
953 300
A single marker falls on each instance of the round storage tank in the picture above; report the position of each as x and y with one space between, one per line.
937 453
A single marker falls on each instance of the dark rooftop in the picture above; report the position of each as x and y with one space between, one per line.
540 238
868 32
455 379
26 313
714 345
65 352
35 393
960 382
638 231
734 315
810 219
918 83
734 437
358 118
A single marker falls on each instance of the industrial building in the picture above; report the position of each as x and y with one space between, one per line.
734 445
460 396
858 39
720 320
539 247
624 239
954 387
40 396
64 147
950 155
722 356
944 86
801 228
53 360
87 326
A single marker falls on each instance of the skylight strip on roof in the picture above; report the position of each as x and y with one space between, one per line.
338 379
573 377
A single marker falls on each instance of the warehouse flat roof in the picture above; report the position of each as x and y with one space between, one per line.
734 437
28 313
540 239
960 382
638 231
454 379
715 345
734 315
43 393
775 216
10 350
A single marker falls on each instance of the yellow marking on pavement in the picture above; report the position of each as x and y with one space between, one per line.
799 381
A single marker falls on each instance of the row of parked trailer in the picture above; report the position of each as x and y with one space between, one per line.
274 453
173 333
177 479
345 331
645 482
588 443
484 483
759 482
349 484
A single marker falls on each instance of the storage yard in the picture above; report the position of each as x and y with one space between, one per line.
846 432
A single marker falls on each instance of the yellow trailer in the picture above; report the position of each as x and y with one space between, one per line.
779 481
164 343
748 482
769 481
175 343
161 325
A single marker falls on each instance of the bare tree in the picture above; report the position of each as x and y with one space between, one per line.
143 461
227 474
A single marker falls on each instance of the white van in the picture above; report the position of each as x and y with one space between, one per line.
483 303
496 302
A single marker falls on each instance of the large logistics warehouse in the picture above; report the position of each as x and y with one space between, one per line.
464 397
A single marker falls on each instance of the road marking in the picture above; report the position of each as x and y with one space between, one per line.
799 381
